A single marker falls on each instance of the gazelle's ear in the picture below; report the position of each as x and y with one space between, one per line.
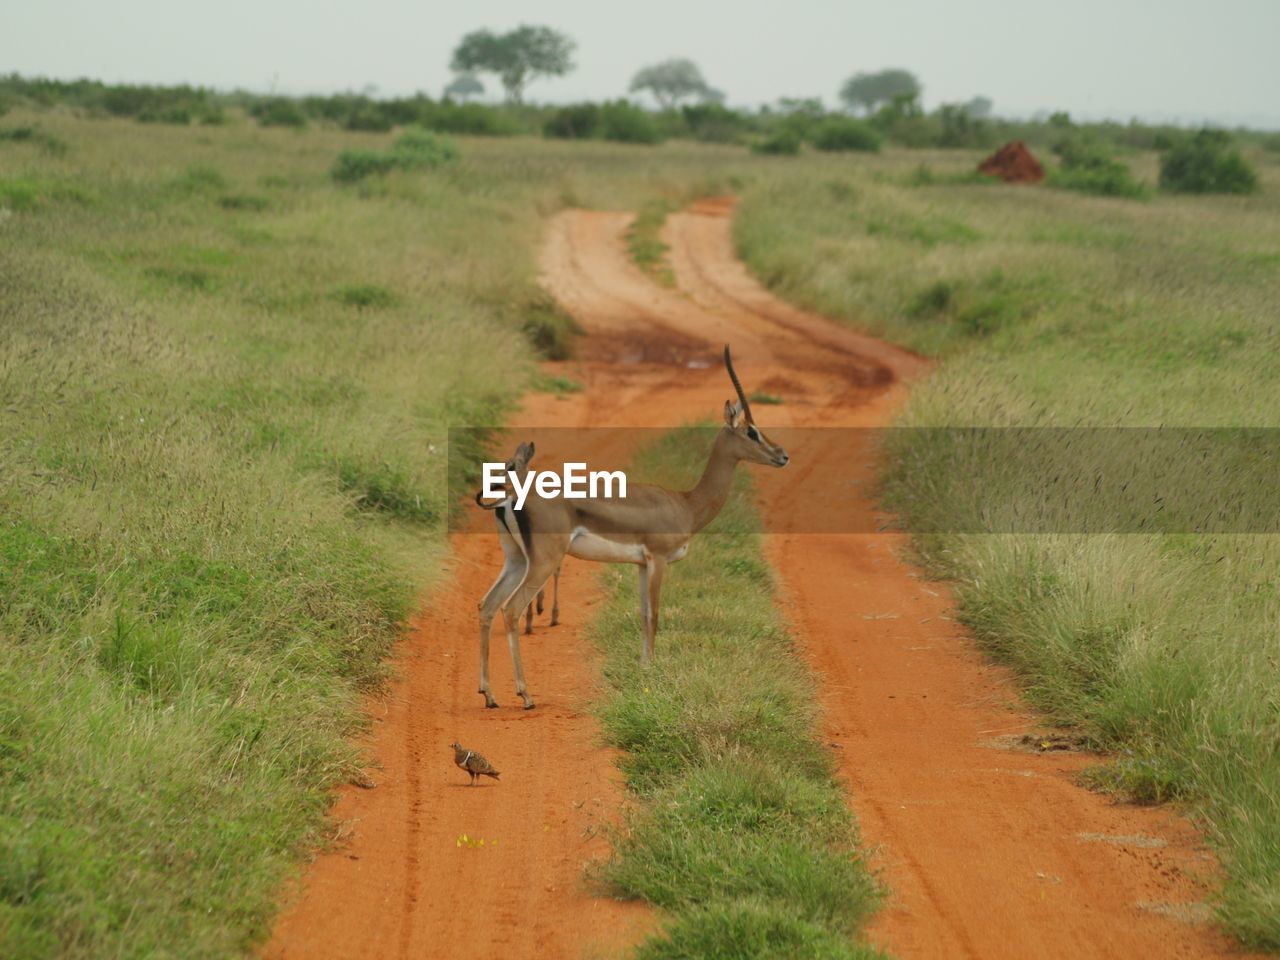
732 415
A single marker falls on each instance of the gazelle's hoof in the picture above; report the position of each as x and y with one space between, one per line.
491 705
529 705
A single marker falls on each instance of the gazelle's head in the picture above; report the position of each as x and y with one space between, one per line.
749 441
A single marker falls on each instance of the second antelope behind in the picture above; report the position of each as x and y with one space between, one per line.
651 528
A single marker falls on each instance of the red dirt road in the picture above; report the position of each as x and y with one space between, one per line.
987 852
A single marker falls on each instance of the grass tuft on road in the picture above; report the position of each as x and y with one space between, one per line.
740 832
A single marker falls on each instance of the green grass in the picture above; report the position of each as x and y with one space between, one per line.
740 833
225 388
1054 309
560 386
644 241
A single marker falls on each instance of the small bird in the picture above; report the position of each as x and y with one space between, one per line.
473 763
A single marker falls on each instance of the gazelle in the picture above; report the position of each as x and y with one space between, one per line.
651 527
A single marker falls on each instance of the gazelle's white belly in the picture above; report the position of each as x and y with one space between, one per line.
589 546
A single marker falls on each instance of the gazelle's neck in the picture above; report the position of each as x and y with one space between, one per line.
708 497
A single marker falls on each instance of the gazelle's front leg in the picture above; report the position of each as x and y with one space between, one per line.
650 594
645 648
555 599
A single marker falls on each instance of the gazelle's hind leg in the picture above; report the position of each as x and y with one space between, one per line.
524 595
512 575
513 641
555 599
542 594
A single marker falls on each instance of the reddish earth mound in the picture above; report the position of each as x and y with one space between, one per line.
1013 163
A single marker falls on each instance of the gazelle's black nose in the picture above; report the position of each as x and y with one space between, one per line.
783 460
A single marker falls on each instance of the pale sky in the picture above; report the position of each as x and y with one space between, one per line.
1174 60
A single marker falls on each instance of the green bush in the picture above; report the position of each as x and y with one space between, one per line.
369 119
624 122
903 121
415 149
468 119
782 142
960 128
842 133
1089 168
713 122
579 121
278 112
353 165
177 114
1205 163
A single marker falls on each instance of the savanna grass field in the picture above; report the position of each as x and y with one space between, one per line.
229 359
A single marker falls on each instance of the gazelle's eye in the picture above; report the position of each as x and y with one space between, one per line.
753 433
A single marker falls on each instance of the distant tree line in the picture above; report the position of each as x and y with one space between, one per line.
879 107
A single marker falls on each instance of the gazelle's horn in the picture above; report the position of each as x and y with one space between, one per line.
746 407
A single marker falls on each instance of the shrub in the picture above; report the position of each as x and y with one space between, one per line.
960 128
903 121
625 122
415 149
839 134
1089 168
353 165
783 142
1205 163
471 119
369 119
713 122
279 112
580 121
176 114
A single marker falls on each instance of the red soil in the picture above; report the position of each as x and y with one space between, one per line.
1013 163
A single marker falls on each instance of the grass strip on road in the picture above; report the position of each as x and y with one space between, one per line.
740 832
